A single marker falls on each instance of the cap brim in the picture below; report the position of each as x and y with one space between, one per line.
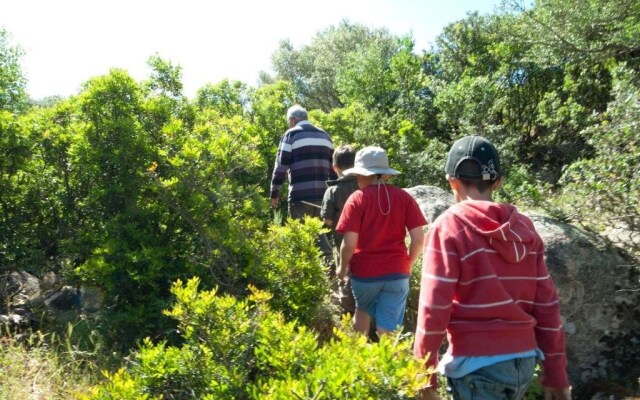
369 171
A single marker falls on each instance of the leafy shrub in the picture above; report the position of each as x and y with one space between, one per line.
519 188
425 167
241 349
291 268
604 191
351 368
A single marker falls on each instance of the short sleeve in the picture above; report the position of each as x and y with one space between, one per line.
327 210
414 216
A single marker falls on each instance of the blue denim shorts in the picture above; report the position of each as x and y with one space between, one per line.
383 300
501 381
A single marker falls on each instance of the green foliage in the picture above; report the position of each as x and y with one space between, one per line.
131 186
341 123
467 106
365 78
422 167
519 188
291 268
315 69
165 79
164 102
587 32
604 191
13 97
14 156
466 48
350 368
113 149
240 349
208 180
226 97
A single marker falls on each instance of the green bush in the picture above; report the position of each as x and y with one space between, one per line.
291 267
518 187
604 191
241 349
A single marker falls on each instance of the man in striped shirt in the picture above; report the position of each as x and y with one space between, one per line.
486 286
305 157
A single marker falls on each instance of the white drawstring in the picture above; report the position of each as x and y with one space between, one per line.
388 198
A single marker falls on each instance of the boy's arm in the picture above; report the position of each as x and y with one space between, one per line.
327 208
417 241
348 247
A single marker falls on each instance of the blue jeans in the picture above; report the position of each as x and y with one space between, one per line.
507 380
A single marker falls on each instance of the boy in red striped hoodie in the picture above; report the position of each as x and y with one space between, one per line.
486 286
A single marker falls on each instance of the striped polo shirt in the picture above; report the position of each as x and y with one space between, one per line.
305 156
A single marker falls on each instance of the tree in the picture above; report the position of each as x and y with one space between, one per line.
604 191
165 78
314 69
228 98
492 81
14 208
165 109
588 32
13 97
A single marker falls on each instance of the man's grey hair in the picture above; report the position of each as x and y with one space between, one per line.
297 112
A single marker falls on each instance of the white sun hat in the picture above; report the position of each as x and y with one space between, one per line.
371 160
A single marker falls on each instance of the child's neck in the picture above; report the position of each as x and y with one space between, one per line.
364 181
465 195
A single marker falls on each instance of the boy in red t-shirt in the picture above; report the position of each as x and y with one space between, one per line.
373 254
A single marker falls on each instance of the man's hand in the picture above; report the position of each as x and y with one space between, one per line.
551 393
275 201
428 394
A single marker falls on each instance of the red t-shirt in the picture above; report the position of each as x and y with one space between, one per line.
381 248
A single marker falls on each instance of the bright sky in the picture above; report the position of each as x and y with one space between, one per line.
66 42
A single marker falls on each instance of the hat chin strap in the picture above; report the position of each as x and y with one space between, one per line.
388 198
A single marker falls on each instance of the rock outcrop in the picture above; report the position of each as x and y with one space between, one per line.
26 300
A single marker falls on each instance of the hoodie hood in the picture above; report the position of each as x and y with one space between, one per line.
508 232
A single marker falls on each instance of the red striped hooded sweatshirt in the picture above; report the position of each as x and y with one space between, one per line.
486 286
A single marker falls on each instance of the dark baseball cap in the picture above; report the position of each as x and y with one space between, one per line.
485 165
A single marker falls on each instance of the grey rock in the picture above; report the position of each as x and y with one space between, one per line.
91 299
432 200
18 288
67 298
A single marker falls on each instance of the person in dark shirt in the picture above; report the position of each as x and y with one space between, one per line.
333 202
